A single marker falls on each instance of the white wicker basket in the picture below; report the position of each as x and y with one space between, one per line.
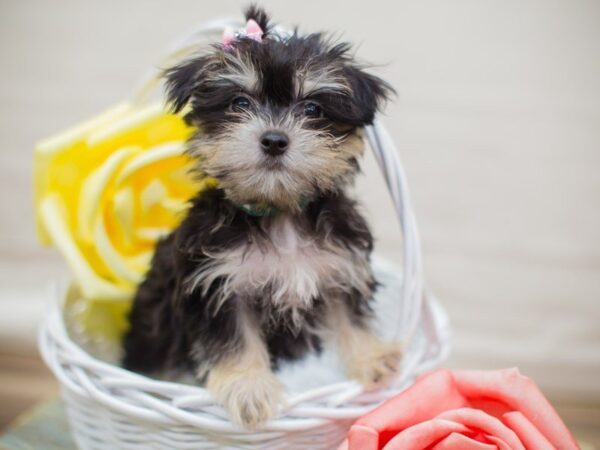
110 408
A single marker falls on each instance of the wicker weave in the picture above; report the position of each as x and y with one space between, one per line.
111 408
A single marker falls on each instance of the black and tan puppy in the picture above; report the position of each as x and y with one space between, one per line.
276 259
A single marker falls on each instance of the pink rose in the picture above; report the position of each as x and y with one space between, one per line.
464 410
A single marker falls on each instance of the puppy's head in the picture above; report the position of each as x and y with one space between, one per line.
279 120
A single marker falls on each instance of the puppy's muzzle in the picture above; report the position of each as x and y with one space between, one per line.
274 143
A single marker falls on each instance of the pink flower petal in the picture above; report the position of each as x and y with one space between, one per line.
520 394
461 442
431 395
499 443
476 419
486 401
362 437
527 432
424 434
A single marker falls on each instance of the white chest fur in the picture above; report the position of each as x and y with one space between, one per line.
288 268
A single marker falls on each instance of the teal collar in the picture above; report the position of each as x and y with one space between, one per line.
263 209
258 209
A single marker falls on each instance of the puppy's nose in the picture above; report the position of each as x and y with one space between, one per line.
274 143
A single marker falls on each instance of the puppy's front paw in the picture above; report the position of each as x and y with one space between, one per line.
377 363
251 397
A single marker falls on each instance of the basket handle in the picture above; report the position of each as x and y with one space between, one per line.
412 295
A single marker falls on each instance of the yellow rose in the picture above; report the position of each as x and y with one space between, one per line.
105 191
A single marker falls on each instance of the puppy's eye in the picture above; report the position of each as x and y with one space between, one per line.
240 104
312 110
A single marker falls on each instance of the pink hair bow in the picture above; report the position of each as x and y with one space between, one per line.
251 31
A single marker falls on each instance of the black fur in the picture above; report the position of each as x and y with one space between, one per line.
278 60
260 16
167 322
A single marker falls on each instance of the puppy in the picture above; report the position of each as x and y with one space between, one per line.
274 261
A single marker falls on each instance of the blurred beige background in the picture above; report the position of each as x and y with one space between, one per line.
497 121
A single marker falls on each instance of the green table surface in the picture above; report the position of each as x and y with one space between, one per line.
43 428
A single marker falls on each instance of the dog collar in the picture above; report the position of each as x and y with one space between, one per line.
258 209
263 209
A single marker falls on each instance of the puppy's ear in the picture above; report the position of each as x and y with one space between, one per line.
181 80
260 16
369 93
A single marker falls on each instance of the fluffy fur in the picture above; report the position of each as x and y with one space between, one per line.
229 294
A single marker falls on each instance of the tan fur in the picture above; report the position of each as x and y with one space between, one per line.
244 383
313 159
238 70
365 356
326 79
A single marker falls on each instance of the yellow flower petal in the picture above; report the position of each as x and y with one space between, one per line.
175 206
92 190
47 150
105 192
115 261
123 204
151 156
141 261
152 195
92 286
152 234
